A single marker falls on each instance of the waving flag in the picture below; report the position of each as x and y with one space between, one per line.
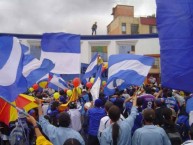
57 82
175 27
95 90
125 70
12 81
92 68
189 105
34 69
63 50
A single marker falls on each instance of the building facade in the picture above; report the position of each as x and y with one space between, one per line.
105 45
124 22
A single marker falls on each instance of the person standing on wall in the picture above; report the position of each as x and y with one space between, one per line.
94 27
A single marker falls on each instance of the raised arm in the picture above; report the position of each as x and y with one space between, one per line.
131 118
40 138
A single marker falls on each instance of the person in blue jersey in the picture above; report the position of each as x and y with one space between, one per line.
119 132
150 134
94 116
118 100
171 102
53 112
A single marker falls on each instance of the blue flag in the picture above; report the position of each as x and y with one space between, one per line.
189 105
57 83
12 82
92 68
34 70
18 71
63 50
175 27
126 70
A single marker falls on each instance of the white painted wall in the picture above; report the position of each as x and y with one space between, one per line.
142 46
147 46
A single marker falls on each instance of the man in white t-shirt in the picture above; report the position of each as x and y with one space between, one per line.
105 121
75 116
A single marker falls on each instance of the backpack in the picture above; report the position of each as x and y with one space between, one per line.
17 136
175 138
173 134
20 134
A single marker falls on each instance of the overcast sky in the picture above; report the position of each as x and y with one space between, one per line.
71 16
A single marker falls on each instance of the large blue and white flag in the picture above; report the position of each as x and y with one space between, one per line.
34 69
126 70
175 27
57 83
63 50
12 82
92 68
95 90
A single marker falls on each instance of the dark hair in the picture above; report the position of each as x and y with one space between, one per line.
191 132
114 114
169 93
72 141
64 119
54 105
118 92
167 113
72 105
186 93
108 105
139 101
61 92
147 89
167 116
47 117
149 115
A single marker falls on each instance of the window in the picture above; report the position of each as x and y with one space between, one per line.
124 49
35 50
133 48
156 63
134 29
102 51
123 28
152 29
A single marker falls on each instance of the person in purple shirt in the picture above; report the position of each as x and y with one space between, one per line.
147 99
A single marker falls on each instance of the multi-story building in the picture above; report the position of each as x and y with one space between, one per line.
124 22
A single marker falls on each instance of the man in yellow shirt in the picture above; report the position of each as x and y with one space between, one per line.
41 140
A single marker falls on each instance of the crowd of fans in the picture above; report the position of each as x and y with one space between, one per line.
147 115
